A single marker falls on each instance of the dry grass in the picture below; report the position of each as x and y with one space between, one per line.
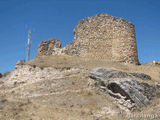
67 62
70 62
85 103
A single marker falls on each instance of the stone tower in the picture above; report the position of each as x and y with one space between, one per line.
104 37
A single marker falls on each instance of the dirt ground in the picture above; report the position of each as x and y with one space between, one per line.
67 93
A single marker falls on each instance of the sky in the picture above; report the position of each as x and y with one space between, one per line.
57 19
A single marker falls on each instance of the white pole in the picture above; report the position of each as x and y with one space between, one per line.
28 45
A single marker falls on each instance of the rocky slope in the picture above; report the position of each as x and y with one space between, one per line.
90 84
59 88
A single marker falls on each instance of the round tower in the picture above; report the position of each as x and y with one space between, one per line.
104 37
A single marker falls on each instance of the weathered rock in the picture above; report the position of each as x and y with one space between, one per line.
49 47
157 85
104 37
122 83
141 76
106 73
139 93
1 75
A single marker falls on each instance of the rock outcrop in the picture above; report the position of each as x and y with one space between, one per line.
122 86
141 76
49 47
60 88
104 37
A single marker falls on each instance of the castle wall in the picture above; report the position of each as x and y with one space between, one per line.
99 37
49 47
105 37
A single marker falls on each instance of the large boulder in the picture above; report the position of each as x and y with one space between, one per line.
123 85
141 75
106 73
138 92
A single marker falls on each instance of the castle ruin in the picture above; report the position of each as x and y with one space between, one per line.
104 37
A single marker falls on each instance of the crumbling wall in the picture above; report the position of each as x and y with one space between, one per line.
99 37
49 47
104 37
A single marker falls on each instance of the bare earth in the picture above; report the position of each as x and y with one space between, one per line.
58 88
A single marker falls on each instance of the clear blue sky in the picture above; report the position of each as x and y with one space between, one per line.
57 18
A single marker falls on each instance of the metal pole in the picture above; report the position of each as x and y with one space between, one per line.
28 45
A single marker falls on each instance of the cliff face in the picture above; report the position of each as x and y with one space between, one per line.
104 37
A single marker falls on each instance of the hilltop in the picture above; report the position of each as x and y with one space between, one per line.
59 87
65 84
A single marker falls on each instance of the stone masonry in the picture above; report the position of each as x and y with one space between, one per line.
49 47
104 37
99 37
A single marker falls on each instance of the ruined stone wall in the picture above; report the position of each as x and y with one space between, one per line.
99 37
49 47
104 37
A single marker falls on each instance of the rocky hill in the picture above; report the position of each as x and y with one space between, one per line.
58 86
70 88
